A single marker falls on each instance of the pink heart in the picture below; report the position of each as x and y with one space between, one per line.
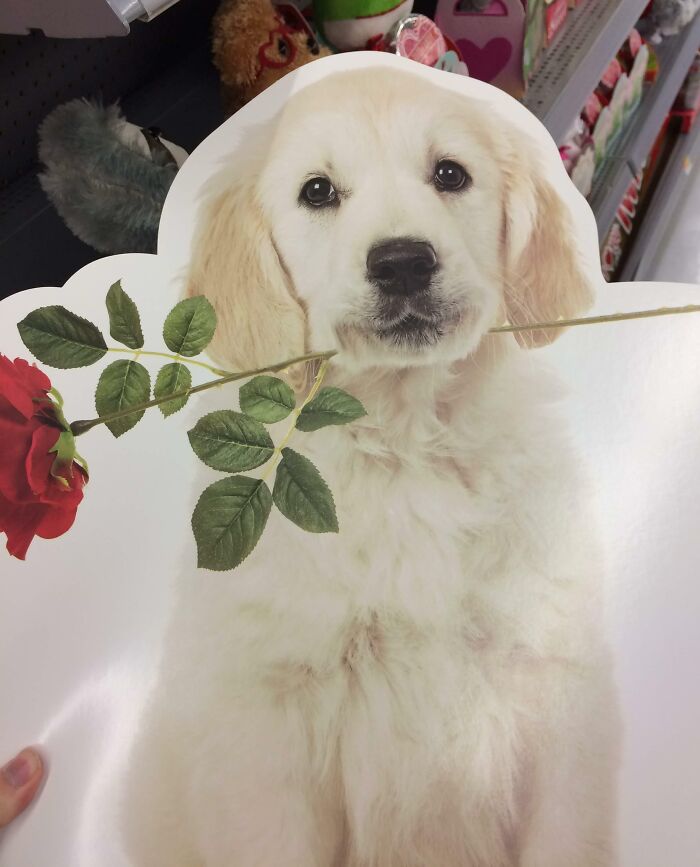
485 63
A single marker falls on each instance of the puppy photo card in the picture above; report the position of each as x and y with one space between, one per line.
358 526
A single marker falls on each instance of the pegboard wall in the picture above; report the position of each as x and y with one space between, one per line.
563 57
38 73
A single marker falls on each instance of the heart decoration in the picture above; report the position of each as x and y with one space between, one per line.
487 62
420 39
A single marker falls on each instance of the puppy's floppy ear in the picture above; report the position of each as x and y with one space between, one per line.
545 276
236 266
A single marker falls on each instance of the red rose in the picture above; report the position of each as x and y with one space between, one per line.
33 501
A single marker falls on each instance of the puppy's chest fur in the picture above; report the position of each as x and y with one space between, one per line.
421 566
443 537
429 539
426 621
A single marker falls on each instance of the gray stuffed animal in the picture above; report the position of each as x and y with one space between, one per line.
106 177
668 17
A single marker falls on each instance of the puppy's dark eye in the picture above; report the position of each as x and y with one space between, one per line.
450 176
282 47
318 192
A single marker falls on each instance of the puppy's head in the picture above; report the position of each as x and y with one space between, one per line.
390 219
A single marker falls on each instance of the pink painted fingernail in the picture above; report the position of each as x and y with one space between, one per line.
21 769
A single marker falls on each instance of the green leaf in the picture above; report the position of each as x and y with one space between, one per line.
123 384
230 441
228 520
124 321
172 378
330 406
302 496
61 339
189 326
267 398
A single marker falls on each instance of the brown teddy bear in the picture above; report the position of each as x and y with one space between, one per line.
255 43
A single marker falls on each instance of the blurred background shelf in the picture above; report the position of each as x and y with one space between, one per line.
632 147
609 186
640 262
675 57
573 65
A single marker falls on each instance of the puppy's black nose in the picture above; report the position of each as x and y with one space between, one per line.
401 266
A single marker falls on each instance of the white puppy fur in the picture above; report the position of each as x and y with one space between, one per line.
431 685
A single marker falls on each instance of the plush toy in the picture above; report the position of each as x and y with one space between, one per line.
667 17
356 24
106 177
255 43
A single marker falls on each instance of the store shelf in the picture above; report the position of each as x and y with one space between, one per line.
640 261
675 56
610 184
633 146
573 64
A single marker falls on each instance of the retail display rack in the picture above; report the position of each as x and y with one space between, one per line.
572 67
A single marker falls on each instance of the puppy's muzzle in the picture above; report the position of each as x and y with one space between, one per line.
402 266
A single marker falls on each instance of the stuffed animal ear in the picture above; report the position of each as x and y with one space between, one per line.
236 266
239 28
236 29
545 278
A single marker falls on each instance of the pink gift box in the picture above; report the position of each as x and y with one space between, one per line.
491 41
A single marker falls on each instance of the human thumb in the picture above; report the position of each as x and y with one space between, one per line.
19 781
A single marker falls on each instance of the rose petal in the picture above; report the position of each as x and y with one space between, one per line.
56 521
16 438
15 394
32 502
20 382
39 459
35 379
20 523
57 494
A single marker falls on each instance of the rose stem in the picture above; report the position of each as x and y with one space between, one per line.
593 320
178 358
82 426
295 416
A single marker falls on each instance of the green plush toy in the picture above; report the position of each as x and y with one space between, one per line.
355 24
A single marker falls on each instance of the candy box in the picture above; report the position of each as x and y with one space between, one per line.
501 43
624 99
555 13
592 109
584 169
687 102
578 155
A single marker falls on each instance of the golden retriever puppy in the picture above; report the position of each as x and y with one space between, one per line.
430 687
